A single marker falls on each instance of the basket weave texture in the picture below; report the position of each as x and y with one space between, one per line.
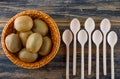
55 36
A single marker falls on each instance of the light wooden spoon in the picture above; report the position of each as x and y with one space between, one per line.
97 39
75 27
67 39
105 27
112 40
89 26
82 38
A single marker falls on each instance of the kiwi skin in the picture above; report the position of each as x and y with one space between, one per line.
23 23
24 36
27 56
34 42
13 43
40 27
46 46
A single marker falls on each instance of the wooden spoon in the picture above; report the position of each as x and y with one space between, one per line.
105 27
75 27
112 40
82 38
89 26
97 39
67 39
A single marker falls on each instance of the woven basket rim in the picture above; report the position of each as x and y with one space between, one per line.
55 34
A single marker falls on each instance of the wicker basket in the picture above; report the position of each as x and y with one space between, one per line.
55 35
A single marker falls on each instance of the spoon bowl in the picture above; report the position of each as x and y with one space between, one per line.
112 38
67 37
75 25
82 37
89 25
105 26
97 37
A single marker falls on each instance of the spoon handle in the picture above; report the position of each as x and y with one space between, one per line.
112 63
74 55
82 63
104 56
89 56
97 62
67 63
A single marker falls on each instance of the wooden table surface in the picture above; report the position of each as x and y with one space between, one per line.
62 11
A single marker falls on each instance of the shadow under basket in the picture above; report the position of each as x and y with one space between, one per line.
54 32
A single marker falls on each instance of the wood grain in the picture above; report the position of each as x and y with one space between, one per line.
62 11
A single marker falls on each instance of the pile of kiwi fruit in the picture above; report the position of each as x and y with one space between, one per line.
31 40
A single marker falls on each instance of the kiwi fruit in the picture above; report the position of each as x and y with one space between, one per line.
13 43
34 42
24 36
27 56
40 27
46 46
23 23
